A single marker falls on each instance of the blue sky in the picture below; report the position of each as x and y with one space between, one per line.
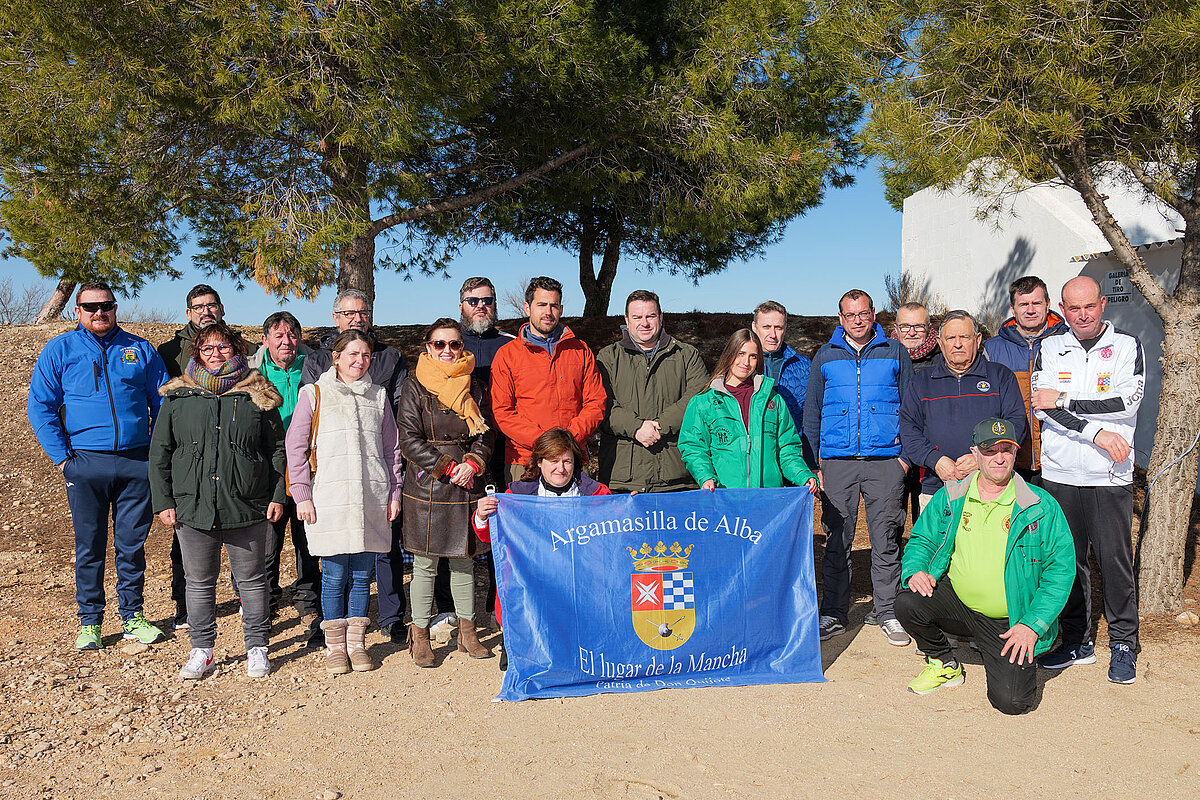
851 241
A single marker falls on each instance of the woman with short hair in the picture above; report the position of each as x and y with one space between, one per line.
216 476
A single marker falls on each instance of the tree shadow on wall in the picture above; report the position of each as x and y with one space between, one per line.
991 308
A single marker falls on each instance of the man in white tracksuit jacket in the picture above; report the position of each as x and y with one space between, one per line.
1086 388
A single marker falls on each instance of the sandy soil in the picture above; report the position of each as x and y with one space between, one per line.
111 724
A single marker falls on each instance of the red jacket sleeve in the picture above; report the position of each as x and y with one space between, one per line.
519 429
593 402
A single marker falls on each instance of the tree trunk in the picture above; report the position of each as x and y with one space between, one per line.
349 172
356 266
597 287
56 302
1161 548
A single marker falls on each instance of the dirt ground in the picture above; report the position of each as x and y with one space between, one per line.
110 724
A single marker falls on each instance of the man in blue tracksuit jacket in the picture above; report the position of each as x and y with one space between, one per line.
852 416
789 369
92 400
944 403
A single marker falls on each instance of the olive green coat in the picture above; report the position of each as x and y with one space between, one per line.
640 388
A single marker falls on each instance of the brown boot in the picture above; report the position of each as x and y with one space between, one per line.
418 646
336 660
468 641
356 646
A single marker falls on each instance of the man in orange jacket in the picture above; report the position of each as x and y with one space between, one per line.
544 378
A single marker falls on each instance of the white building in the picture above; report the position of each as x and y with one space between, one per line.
967 262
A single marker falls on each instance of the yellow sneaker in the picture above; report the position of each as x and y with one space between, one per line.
936 675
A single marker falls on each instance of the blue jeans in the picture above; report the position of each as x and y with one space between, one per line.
353 569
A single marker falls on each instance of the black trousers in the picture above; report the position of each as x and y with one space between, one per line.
1011 688
1101 520
306 592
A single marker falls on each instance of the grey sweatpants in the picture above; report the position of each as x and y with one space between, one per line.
201 552
880 482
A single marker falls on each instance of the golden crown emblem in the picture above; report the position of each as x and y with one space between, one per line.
662 560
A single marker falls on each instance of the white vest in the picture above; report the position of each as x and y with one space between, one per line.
350 489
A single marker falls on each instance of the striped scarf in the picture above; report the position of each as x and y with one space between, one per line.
224 379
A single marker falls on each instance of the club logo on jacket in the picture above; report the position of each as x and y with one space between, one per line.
1104 382
983 386
1106 353
130 355
663 595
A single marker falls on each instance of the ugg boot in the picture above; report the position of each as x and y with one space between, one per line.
418 646
356 646
336 660
468 641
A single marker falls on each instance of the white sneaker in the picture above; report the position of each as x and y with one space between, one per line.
443 627
257 663
895 633
199 662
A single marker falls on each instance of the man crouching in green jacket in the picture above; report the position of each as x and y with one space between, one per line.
990 557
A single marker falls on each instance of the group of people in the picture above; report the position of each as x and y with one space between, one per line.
1016 453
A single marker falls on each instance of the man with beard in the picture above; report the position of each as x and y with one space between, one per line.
352 311
544 378
650 377
203 309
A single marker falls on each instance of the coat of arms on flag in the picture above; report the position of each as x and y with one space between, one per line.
664 596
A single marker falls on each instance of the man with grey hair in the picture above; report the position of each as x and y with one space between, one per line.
943 404
912 329
352 310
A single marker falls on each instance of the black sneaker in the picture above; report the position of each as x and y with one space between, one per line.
1066 655
1123 666
316 636
181 619
829 627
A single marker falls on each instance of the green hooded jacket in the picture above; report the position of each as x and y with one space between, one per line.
716 445
1039 561
641 388
218 460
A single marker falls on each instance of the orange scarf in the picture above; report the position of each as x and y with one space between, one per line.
450 383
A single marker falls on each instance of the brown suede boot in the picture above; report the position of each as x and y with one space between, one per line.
468 641
356 646
336 660
418 646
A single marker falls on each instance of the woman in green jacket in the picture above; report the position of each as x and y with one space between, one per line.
738 433
216 476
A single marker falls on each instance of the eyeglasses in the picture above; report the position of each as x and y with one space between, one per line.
474 301
95 308
440 345
204 307
363 313
857 314
209 349
906 327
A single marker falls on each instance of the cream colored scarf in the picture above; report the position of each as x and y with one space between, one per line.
450 383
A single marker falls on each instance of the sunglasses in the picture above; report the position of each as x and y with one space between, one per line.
209 349
93 308
441 344
474 301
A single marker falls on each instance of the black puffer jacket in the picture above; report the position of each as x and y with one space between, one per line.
218 460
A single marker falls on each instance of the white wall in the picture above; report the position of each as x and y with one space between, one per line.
968 263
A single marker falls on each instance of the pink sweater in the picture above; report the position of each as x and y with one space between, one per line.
296 444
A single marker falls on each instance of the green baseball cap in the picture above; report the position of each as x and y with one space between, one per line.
992 431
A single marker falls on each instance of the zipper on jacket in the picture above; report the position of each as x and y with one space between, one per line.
111 404
945 538
858 404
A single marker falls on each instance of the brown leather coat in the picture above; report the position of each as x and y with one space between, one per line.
437 513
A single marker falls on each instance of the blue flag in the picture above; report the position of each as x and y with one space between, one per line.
634 593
